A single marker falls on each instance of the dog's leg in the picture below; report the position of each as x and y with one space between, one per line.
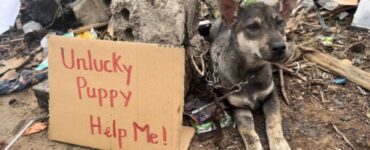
244 121
271 109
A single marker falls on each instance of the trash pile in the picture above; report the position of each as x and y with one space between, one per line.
320 32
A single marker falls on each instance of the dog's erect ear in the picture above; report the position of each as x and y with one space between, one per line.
229 11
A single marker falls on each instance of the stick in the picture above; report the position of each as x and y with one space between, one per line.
11 41
292 72
343 136
19 134
336 66
322 97
88 27
283 87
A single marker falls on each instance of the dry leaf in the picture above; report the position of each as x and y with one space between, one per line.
36 127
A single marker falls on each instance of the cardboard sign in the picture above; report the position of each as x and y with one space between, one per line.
116 95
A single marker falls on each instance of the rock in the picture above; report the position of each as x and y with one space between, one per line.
338 102
160 21
13 102
91 11
41 91
345 118
44 11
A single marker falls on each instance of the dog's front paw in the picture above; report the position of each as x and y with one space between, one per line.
279 144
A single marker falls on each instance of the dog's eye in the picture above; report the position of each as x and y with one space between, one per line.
279 22
253 26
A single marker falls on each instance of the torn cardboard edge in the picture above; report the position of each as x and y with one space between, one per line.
186 136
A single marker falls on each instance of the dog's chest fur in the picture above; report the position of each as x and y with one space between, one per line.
235 67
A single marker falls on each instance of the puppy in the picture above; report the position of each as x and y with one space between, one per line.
245 42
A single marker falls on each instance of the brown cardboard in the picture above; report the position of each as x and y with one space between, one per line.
187 134
141 89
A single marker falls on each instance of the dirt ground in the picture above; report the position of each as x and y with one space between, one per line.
316 106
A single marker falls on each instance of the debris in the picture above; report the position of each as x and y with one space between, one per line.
292 24
22 81
204 23
9 10
355 47
326 40
13 102
91 11
323 100
36 127
13 63
43 65
19 134
69 35
300 76
334 4
110 28
334 65
338 102
8 75
361 18
199 111
44 42
33 39
321 19
340 81
44 11
210 125
31 27
41 91
88 34
343 15
282 84
363 92
343 136
88 27
345 118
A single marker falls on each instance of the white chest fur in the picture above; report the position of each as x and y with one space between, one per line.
241 101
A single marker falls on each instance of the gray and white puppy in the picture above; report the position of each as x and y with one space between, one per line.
245 43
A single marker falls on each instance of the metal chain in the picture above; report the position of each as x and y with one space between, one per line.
214 82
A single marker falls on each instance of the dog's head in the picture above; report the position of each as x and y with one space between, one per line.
258 29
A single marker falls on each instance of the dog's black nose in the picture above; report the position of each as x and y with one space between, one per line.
278 47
